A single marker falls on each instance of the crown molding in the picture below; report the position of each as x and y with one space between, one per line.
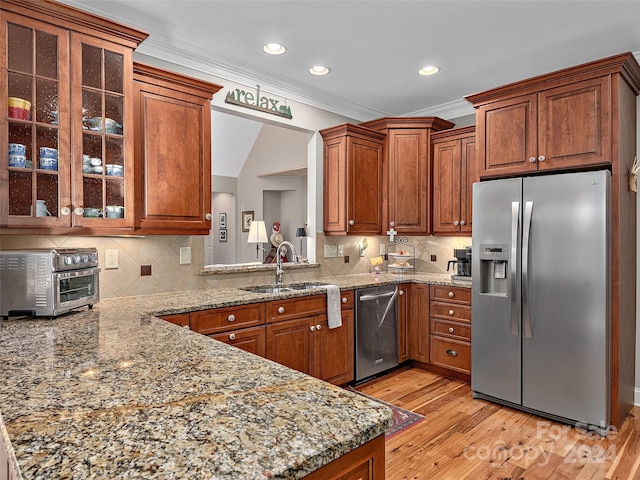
453 109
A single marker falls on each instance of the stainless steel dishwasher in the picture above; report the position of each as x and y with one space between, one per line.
376 330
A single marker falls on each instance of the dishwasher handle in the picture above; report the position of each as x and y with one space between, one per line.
376 296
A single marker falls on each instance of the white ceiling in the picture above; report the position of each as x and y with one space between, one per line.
374 48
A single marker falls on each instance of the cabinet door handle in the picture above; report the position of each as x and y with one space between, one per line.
312 328
351 222
79 211
542 158
232 336
456 223
186 326
65 211
450 312
401 292
318 327
453 353
208 216
280 309
463 223
231 318
450 294
532 159
344 299
450 329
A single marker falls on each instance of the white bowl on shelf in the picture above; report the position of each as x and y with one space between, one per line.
115 170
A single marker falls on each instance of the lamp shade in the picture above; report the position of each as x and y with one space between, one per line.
257 232
301 232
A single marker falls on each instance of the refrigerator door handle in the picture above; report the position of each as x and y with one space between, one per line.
526 234
515 216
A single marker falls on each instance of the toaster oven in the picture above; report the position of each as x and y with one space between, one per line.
48 282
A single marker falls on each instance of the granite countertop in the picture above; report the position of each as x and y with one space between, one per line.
118 393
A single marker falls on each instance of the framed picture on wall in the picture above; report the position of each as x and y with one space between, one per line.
222 235
247 218
222 220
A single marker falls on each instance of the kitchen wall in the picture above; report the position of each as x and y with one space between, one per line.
167 275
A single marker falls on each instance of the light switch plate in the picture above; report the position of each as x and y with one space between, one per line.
185 255
383 249
111 258
341 250
330 251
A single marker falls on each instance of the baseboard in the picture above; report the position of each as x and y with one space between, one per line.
636 397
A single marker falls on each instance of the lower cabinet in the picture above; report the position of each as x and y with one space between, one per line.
250 340
293 332
450 329
419 323
405 311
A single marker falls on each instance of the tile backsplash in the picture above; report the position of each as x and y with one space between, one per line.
162 253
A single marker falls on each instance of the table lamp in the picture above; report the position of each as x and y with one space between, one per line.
257 234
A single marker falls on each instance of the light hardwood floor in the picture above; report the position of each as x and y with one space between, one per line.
462 438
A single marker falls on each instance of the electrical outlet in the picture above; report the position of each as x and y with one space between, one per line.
111 258
433 258
341 250
145 270
346 259
330 251
185 255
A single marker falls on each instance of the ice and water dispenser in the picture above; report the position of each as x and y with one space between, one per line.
493 269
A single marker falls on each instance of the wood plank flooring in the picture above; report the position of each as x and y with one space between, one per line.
462 438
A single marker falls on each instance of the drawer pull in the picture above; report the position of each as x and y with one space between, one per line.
451 312
318 327
280 309
450 294
312 328
453 353
450 329
186 326
231 318
344 299
232 336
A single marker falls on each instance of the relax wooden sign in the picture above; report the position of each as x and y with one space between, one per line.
256 102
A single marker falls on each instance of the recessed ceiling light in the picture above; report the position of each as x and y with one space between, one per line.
430 70
274 48
318 70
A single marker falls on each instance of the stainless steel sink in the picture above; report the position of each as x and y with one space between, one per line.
267 289
282 288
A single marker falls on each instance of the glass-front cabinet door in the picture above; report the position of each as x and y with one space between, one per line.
103 159
34 175
67 109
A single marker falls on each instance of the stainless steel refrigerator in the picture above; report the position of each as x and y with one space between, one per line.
541 295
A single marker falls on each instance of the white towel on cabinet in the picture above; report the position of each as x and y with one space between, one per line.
334 312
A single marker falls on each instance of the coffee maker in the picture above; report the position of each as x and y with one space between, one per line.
462 264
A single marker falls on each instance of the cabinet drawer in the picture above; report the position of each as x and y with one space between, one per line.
181 319
461 313
451 354
451 294
296 307
248 339
458 330
224 319
346 300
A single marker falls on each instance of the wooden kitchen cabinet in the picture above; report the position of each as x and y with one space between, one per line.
75 70
251 340
172 151
180 319
298 337
558 121
405 311
220 320
419 323
454 173
353 183
450 329
364 463
407 151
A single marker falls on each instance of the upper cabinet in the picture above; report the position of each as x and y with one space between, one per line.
408 155
377 176
455 170
172 151
558 121
67 120
353 180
